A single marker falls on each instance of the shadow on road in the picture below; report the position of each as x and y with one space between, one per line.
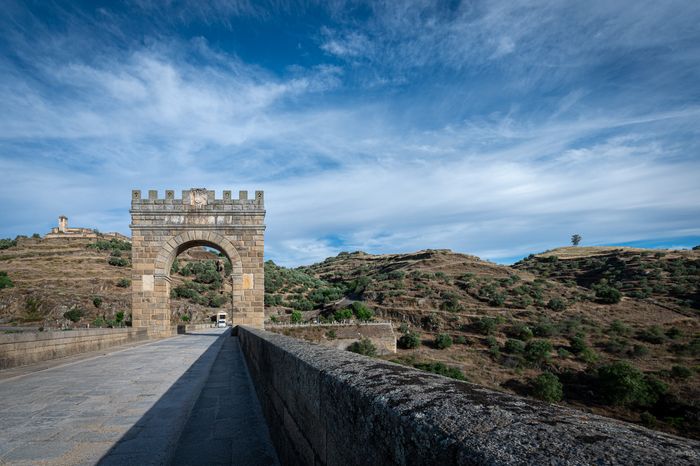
210 415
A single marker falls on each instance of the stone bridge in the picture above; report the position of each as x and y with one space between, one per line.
258 398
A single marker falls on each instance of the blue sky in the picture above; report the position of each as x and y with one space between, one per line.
487 127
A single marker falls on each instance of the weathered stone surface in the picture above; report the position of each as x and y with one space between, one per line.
163 228
19 349
353 410
126 407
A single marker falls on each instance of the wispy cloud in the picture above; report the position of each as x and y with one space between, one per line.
495 128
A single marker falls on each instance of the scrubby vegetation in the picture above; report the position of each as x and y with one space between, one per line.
547 387
637 274
364 347
5 281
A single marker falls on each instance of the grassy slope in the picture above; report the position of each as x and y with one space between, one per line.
60 274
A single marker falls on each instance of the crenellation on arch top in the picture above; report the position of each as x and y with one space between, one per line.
197 199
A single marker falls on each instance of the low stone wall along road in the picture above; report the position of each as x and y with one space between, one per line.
137 406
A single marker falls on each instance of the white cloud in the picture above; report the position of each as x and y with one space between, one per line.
375 172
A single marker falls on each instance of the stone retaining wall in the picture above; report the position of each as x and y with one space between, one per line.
328 407
20 349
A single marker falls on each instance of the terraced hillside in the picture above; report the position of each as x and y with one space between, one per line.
668 278
91 281
510 329
53 276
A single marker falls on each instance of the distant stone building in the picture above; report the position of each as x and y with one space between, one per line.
63 231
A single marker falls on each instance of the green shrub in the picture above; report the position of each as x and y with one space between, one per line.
638 351
556 304
114 244
409 340
99 322
521 332
118 261
123 283
443 341
616 346
578 344
441 369
497 299
494 349
430 322
331 335
451 302
680 372
547 387
537 351
607 294
523 301
185 318
216 299
653 335
343 314
119 317
514 346
620 383
296 317
303 304
588 356
5 281
358 285
619 328
364 346
544 328
673 333
461 340
97 301
73 314
362 312
7 243
486 325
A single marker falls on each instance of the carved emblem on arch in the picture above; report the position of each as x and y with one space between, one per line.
198 197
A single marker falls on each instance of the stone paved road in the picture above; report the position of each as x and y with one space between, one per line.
128 407
226 409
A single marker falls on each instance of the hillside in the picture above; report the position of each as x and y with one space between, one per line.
91 277
668 278
51 277
544 327
508 326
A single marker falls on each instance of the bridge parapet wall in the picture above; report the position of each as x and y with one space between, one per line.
20 349
324 406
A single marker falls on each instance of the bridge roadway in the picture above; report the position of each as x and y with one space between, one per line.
182 400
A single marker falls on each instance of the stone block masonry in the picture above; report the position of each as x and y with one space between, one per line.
20 349
329 407
162 228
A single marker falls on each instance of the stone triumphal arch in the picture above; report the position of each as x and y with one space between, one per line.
162 228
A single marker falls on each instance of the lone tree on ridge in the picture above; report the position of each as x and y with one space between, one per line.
575 239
